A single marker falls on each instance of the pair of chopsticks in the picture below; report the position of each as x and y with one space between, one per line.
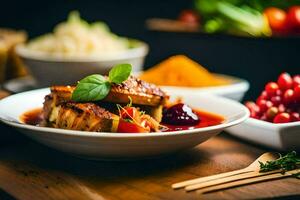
207 184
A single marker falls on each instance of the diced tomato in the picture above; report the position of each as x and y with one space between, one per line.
129 112
129 127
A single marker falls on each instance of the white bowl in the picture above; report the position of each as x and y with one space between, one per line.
100 145
278 136
235 91
50 69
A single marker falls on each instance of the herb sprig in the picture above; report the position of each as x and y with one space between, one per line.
96 87
288 162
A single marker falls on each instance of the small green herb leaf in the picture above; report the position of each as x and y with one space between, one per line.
119 73
288 162
91 88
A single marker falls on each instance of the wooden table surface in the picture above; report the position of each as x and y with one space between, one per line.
32 171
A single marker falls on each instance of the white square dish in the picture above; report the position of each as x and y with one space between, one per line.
279 136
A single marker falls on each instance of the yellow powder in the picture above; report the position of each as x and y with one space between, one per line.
179 70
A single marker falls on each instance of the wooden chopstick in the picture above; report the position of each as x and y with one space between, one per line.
228 179
209 178
248 181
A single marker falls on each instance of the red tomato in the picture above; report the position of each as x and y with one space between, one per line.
288 96
129 127
128 112
189 17
277 19
297 93
296 80
295 117
276 100
281 108
252 106
264 105
282 118
272 112
271 88
285 81
293 17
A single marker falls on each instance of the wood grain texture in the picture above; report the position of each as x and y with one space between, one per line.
31 171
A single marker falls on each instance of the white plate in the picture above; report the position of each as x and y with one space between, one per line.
278 136
235 91
100 145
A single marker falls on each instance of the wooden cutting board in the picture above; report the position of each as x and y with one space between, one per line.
31 171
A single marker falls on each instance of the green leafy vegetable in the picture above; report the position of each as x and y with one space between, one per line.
232 16
96 87
119 73
288 162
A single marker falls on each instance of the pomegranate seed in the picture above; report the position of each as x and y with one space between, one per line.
285 81
282 118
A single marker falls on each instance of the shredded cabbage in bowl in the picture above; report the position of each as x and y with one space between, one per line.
76 37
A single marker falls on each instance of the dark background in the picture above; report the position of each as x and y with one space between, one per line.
257 60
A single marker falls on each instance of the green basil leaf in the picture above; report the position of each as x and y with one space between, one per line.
119 73
92 88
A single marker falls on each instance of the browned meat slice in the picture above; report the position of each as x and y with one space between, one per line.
141 93
82 116
61 112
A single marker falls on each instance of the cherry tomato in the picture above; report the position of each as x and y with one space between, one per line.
288 96
263 96
271 88
264 117
252 106
297 93
254 114
295 117
279 92
296 80
276 100
285 81
271 113
129 127
293 17
277 19
189 17
281 108
264 105
282 118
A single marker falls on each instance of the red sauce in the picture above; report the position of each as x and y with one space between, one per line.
32 117
206 119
